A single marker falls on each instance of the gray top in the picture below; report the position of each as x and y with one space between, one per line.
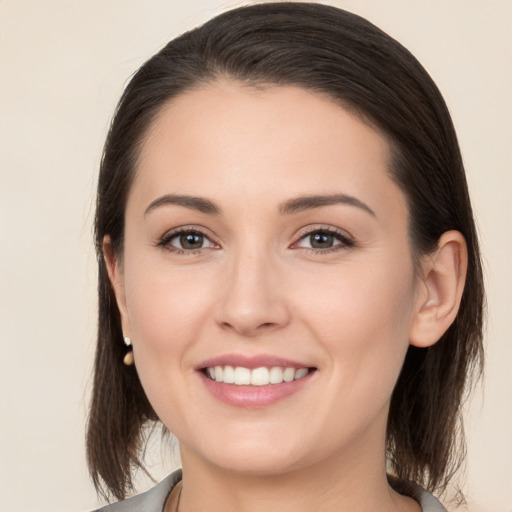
154 500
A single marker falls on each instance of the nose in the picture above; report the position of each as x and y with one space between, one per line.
253 299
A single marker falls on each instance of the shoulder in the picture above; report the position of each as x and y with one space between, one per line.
149 501
427 501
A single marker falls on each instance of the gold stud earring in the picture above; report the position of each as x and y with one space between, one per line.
128 357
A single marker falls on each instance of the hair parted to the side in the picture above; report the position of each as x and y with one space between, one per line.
341 55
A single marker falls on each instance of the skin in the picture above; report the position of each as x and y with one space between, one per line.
257 287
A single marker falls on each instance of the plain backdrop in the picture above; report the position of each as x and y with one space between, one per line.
63 65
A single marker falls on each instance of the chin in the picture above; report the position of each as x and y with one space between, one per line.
252 457
257 464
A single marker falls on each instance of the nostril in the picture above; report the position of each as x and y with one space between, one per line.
226 325
247 328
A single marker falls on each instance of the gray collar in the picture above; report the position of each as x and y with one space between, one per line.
155 499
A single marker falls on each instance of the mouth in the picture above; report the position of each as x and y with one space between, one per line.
254 381
261 376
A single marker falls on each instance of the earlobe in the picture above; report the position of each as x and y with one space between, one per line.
444 276
115 276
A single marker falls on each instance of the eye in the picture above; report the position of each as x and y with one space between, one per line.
324 240
188 240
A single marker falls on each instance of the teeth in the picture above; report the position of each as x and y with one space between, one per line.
301 372
228 376
276 375
242 375
260 377
289 374
263 376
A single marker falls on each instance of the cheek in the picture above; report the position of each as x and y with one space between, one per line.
164 307
363 325
166 311
166 314
362 317
357 296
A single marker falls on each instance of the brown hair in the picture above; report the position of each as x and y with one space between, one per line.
334 52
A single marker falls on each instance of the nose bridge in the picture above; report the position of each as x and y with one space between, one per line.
252 301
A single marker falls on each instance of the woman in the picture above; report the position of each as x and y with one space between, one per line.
289 271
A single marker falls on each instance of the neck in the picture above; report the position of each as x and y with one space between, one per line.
351 484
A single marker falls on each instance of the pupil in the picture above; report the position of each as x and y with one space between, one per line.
191 241
321 240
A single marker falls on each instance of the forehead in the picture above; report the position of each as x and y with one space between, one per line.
261 143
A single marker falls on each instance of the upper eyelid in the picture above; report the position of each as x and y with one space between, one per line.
308 230
188 229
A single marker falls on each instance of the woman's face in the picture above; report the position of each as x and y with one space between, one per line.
263 232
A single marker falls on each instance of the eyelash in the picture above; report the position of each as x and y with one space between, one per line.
165 241
346 241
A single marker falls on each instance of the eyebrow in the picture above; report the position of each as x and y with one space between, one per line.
317 201
288 207
194 203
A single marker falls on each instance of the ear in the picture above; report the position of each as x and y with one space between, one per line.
440 292
115 275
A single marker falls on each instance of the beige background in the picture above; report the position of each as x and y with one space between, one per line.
63 66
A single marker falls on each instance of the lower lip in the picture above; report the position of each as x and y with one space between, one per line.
253 396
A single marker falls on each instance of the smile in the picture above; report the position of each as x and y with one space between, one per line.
254 381
263 376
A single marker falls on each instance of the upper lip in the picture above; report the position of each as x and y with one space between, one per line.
251 362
